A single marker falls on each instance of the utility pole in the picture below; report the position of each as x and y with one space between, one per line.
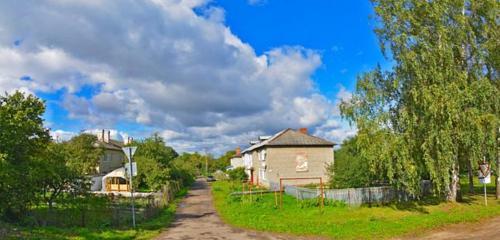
131 186
129 152
206 165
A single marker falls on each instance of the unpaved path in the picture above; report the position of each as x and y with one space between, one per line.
196 219
487 229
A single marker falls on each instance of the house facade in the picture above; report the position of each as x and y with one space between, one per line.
110 171
288 154
237 160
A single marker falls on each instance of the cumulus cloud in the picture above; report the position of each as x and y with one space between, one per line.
160 64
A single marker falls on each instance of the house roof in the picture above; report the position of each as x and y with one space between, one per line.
290 137
112 145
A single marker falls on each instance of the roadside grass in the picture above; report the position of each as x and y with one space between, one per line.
145 230
343 222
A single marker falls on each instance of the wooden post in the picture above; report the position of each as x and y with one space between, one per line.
321 189
251 197
275 199
281 194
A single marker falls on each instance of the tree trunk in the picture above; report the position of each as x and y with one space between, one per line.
471 176
498 165
453 191
498 180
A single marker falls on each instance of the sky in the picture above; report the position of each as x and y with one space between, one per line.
207 76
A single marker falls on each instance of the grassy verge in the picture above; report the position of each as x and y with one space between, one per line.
342 222
146 230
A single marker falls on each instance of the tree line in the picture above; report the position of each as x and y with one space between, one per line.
436 110
37 171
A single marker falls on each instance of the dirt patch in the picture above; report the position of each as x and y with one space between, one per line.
196 218
486 229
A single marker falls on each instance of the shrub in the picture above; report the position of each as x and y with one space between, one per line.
220 175
238 174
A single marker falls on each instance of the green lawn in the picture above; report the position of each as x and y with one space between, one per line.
146 230
342 222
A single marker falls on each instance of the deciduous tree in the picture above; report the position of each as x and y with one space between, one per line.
22 138
434 111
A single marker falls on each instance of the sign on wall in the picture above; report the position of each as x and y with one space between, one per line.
301 162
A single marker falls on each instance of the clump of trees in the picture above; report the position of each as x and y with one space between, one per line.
350 170
157 164
34 170
437 110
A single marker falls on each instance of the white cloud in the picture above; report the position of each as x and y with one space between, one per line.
159 64
256 2
61 135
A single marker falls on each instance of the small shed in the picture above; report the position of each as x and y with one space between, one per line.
116 181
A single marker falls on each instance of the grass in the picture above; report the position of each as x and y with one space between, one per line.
342 222
146 230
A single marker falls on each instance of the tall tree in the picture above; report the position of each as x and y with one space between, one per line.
22 138
55 174
434 110
154 162
84 153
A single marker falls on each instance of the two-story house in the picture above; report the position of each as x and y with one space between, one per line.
110 171
288 154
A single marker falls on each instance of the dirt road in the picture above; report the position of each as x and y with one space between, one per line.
487 229
196 219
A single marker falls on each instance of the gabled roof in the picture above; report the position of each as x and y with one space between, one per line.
111 145
290 137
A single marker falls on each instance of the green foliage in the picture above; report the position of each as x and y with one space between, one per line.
84 153
350 170
439 105
222 162
22 139
55 174
154 163
238 174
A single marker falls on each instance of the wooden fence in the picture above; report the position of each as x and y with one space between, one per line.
356 196
113 210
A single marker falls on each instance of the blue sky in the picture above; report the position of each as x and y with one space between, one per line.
340 30
206 75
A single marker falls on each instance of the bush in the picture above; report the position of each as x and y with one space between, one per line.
220 175
238 174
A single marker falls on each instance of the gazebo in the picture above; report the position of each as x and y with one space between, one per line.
116 181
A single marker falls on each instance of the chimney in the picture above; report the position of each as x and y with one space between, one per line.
127 140
107 136
303 130
101 138
238 151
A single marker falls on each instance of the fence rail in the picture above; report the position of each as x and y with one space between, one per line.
354 196
115 212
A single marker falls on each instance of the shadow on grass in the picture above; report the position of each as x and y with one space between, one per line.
416 206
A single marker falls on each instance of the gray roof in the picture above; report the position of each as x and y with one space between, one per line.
290 137
112 145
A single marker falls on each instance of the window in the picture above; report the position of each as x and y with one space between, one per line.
262 173
262 155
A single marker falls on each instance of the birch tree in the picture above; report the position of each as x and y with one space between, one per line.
437 108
